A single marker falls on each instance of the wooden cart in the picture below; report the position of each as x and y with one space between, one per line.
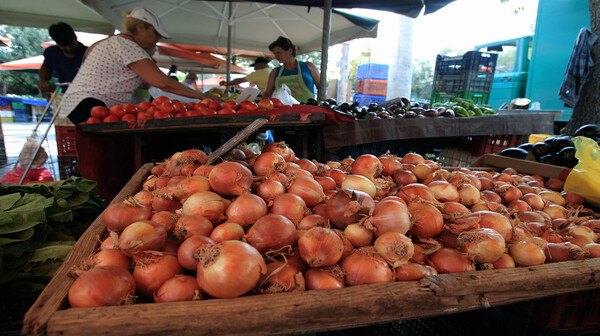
276 314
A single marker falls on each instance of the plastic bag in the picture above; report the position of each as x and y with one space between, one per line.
29 149
285 95
583 178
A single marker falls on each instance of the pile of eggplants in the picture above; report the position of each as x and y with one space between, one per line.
556 150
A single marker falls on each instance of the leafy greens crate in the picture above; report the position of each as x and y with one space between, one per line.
296 312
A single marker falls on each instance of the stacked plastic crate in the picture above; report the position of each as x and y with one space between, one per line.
371 83
469 76
67 152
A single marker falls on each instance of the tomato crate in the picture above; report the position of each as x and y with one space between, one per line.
493 144
372 71
476 97
456 157
65 140
471 81
470 61
365 100
373 87
67 167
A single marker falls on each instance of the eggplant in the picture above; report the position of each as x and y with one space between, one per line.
430 113
526 146
561 142
566 157
344 107
410 114
312 101
514 152
331 101
540 149
589 130
373 107
548 158
448 114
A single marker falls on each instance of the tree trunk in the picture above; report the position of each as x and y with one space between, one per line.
587 109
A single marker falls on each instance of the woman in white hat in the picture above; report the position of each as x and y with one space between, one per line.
116 66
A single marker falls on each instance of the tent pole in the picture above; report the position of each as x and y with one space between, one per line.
325 49
229 26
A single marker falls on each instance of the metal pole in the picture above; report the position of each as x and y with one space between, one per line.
325 49
229 29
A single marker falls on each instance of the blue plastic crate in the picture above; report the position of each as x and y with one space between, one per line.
22 115
365 100
372 71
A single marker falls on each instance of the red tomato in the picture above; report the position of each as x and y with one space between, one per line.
143 106
111 118
242 110
276 102
206 101
249 105
117 110
160 115
144 115
130 109
231 104
215 105
265 104
190 105
152 110
225 111
193 113
100 112
204 110
129 117
179 107
167 107
93 120
159 100
180 115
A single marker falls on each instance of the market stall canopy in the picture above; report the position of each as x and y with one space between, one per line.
254 24
28 63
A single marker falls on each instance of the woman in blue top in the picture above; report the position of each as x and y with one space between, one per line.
300 77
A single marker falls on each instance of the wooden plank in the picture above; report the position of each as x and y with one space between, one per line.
332 309
236 139
54 296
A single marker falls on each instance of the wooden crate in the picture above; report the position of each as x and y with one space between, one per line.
309 311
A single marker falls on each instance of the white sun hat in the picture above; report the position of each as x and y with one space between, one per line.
146 15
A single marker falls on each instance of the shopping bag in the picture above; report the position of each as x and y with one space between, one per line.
284 94
583 178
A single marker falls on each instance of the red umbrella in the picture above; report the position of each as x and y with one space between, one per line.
28 63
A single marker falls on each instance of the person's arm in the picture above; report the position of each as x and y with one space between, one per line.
234 82
270 85
314 72
150 73
45 76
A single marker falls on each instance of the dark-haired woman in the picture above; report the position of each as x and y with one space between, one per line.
301 77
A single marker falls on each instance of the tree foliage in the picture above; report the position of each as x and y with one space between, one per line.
25 42
422 79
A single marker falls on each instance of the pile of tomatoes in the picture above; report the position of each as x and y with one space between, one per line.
162 108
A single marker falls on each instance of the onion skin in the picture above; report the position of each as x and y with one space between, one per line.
229 269
448 260
111 257
230 179
227 231
185 253
324 278
179 288
426 220
102 286
271 232
192 225
412 271
389 216
208 204
320 247
365 266
484 245
118 216
348 206
291 206
152 270
563 252
395 248
246 209
280 278
142 236
527 253
308 189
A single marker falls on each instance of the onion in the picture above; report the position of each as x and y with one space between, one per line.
572 198
203 170
280 148
320 247
365 266
555 211
207 204
535 201
424 171
292 171
486 183
269 189
360 183
267 163
582 230
108 244
505 261
449 260
390 165
338 176
141 236
307 165
519 206
227 231
144 197
416 191
166 219
367 165
388 216
308 189
411 271
403 177
326 182
426 220
553 197
280 278
324 278
394 247
102 286
448 239
271 232
246 209
230 179
496 221
191 225
164 202
111 257
489 196
291 206
185 253
453 209
348 206
484 245
468 194
555 184
592 250
526 253
563 252
412 158
312 221
509 193
179 288
186 187
229 269
358 235
118 216
152 270
444 191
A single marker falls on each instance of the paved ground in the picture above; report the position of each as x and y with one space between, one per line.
15 136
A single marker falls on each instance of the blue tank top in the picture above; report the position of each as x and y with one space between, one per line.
306 75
